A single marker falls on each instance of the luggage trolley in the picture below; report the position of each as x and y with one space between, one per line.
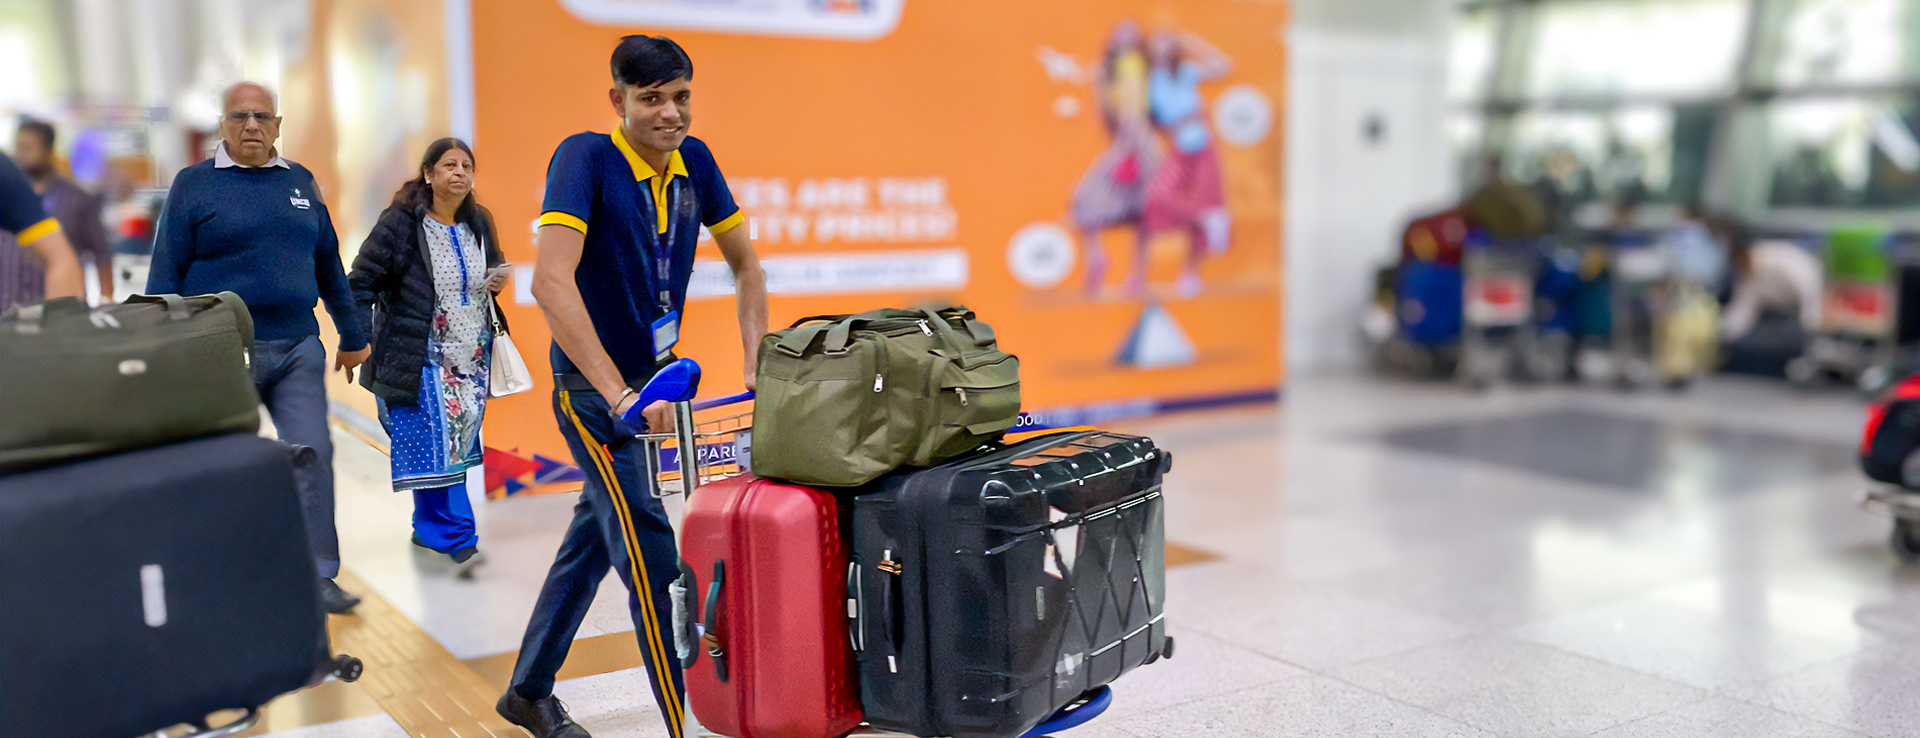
1859 321
722 447
1497 327
1641 276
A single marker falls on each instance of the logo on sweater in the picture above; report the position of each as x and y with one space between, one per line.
300 201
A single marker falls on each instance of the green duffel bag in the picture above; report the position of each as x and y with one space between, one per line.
842 399
77 382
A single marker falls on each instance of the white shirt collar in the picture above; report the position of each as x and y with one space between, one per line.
221 160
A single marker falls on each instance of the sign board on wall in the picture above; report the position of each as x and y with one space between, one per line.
1098 179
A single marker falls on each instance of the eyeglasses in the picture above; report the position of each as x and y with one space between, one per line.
241 116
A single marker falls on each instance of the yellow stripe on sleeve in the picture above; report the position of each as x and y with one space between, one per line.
733 221
555 217
38 231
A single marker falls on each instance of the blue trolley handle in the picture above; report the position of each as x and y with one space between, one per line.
723 401
1076 715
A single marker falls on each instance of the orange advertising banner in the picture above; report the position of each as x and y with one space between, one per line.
1099 180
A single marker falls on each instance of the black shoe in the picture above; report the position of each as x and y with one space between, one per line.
336 600
544 718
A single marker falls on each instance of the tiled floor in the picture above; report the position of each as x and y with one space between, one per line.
1398 559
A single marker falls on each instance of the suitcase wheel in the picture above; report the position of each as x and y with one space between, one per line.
1906 540
347 668
1166 651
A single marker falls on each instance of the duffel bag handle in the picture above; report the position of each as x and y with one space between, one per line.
176 305
177 310
819 318
798 337
31 316
841 334
981 333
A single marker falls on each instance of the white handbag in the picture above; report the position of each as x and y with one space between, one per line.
508 374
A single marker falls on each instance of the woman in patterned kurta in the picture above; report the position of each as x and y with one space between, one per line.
430 270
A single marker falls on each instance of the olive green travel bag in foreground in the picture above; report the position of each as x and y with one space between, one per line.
842 399
77 382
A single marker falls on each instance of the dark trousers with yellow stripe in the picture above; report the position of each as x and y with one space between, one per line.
617 524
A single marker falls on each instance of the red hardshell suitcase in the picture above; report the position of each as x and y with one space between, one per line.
765 574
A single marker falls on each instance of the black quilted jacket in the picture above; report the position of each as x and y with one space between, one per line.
392 276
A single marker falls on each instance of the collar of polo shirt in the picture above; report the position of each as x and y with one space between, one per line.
642 171
223 160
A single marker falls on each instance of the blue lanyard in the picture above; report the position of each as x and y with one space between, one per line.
662 242
460 252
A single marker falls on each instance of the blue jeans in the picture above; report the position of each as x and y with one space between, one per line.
291 376
616 520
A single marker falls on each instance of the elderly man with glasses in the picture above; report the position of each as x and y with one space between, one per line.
252 222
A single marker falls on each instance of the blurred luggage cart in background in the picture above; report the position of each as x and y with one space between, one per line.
1556 311
1416 319
1859 333
1497 325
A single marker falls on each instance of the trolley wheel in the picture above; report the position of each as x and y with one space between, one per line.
1906 540
1802 371
1166 651
347 668
1873 379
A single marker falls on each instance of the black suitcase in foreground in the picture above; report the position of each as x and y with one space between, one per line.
992 591
151 588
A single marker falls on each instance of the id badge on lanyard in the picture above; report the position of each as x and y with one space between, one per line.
666 330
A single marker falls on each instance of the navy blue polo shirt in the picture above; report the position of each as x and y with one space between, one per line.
597 185
21 212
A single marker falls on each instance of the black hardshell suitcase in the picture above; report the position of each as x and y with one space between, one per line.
992 591
154 587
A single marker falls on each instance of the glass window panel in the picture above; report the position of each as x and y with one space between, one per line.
1596 153
1859 152
1636 47
1578 157
1471 55
1844 41
1465 132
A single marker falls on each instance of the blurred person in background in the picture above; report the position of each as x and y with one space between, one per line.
1502 207
36 263
252 222
1773 277
1699 246
77 209
427 274
1562 186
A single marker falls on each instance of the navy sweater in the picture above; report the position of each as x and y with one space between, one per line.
264 234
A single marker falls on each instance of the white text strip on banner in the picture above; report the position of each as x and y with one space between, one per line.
842 273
